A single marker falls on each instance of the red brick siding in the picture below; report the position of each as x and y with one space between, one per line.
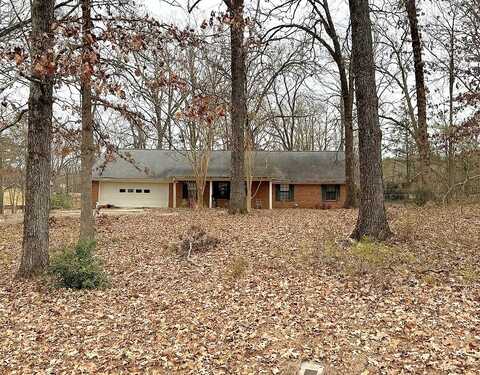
260 194
309 196
341 202
95 189
305 196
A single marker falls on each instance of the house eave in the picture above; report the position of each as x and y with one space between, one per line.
219 178
123 179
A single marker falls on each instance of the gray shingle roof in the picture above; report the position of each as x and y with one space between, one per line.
163 165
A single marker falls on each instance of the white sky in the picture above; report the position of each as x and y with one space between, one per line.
178 14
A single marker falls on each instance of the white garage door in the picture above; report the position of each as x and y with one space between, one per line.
133 194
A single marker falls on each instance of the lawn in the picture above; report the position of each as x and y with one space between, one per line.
281 286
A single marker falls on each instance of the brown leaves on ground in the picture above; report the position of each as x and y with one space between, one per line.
195 240
260 303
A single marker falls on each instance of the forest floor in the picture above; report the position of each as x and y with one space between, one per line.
282 286
15 218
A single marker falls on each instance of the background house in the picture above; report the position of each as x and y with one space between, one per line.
159 178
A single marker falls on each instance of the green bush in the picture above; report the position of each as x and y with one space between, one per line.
61 201
78 268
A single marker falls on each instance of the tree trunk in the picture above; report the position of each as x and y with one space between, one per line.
2 195
238 110
13 200
248 197
349 160
249 171
451 98
200 193
87 223
422 130
372 218
34 258
347 106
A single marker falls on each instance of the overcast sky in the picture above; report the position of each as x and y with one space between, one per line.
168 13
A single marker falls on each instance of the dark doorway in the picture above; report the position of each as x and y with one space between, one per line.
221 189
221 193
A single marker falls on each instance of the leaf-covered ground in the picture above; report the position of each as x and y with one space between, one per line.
266 298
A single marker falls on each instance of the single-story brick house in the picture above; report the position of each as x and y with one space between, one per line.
160 178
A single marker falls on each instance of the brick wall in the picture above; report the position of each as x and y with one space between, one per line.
260 194
309 196
95 188
305 196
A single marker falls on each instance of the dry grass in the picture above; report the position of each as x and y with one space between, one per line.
367 257
297 293
237 268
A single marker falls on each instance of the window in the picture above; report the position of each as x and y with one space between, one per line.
122 190
284 193
146 191
138 191
221 190
189 190
130 190
330 193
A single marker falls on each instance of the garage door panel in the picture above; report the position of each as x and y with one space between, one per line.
134 194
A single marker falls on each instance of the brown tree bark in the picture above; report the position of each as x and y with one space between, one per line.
34 258
347 102
451 98
2 196
238 108
421 90
87 222
372 218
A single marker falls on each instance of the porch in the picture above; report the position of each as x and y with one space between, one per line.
217 194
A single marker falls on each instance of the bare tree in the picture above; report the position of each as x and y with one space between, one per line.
199 132
238 106
421 90
443 44
372 218
2 195
321 27
34 258
87 223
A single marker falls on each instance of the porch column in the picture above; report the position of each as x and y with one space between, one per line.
174 203
210 195
270 197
